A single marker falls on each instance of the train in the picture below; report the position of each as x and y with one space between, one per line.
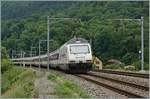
75 56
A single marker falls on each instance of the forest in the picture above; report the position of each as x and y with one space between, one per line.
24 23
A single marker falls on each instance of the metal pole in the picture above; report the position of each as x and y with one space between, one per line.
31 56
23 58
142 44
35 53
91 42
48 29
12 54
39 55
20 56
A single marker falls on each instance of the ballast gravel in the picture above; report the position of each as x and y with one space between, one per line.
93 90
120 86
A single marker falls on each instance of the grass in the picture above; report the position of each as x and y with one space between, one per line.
18 83
10 77
65 88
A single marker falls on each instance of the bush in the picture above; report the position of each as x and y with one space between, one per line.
18 83
6 65
113 66
146 66
4 53
129 67
128 58
138 65
9 77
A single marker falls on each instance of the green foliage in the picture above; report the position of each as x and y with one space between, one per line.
68 90
24 91
52 77
137 65
3 53
130 57
113 66
129 68
18 83
9 77
65 88
5 65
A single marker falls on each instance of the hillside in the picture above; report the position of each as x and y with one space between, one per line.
23 9
24 23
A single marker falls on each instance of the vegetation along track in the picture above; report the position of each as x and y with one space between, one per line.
127 89
141 75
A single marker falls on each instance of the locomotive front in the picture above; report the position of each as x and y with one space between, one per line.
79 56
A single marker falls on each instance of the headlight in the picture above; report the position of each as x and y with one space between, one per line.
89 61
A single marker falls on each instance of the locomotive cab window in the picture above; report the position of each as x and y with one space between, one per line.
79 49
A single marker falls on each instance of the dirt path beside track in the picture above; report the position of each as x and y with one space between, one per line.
43 86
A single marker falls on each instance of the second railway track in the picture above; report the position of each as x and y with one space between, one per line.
146 88
141 75
125 88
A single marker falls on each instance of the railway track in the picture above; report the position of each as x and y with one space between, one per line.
125 88
141 75
146 88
